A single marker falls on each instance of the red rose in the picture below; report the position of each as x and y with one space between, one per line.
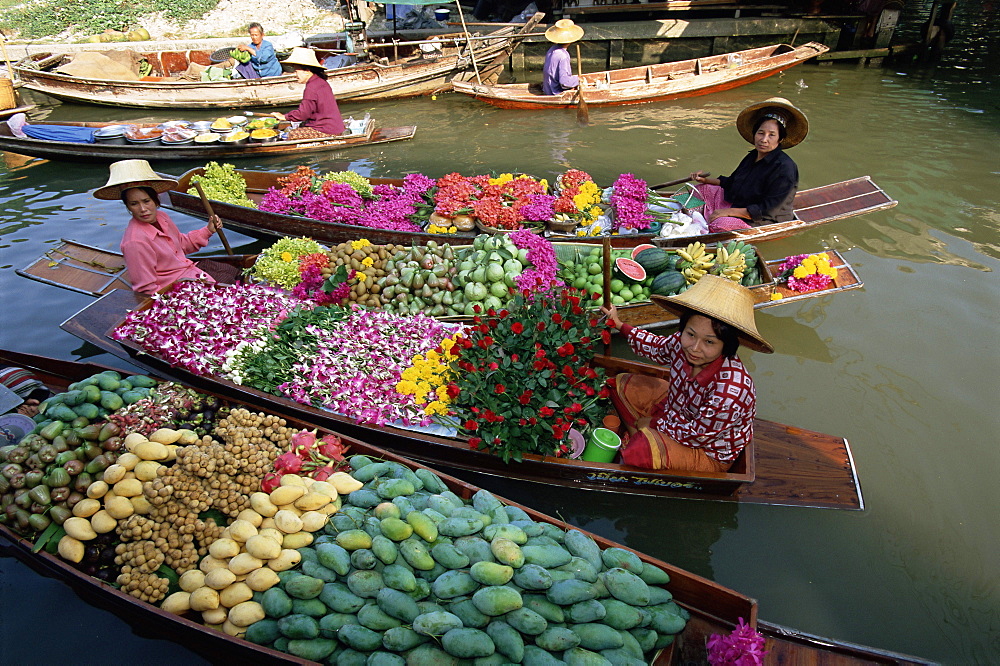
499 389
525 397
471 425
565 350
453 390
557 432
494 366
556 318
540 326
517 328
522 422
606 336
474 442
515 358
533 421
546 412
539 365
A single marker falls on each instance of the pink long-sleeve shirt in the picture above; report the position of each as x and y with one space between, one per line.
155 253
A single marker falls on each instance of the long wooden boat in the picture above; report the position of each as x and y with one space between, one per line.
783 465
410 73
90 270
651 83
813 207
159 151
714 609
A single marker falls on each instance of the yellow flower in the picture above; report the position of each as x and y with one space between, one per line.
501 179
359 244
776 296
436 407
452 230
406 387
801 271
829 272
367 262
545 184
286 256
361 276
410 374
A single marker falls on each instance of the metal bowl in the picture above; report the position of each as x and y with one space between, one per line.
202 126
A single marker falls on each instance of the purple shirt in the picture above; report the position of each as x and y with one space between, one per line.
318 109
557 73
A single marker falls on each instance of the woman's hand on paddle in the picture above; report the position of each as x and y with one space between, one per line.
214 224
699 177
612 314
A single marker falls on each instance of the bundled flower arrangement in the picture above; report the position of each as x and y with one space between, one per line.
579 198
507 201
628 203
427 379
807 272
348 198
522 378
743 647
544 263
194 325
310 456
281 264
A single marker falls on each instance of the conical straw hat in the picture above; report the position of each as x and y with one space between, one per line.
126 174
722 299
795 122
564 32
303 57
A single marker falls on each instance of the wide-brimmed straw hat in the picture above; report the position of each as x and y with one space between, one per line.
780 109
303 57
126 174
564 32
722 299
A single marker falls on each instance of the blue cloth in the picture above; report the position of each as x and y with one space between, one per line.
60 133
557 72
266 60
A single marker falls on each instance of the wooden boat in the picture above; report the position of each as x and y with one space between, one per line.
813 207
410 73
17 109
90 270
713 608
783 465
160 151
652 83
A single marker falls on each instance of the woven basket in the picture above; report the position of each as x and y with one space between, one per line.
562 227
7 99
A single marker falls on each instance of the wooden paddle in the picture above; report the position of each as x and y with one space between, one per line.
606 274
582 113
208 209
676 182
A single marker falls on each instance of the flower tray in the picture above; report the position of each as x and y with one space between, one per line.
562 227
494 230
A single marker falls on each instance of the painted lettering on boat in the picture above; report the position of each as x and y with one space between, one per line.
642 481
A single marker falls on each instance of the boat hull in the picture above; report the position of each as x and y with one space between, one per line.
405 77
653 83
814 207
805 468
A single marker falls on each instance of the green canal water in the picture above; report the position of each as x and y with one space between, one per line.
906 368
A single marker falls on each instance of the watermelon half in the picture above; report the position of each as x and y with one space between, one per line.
630 270
639 248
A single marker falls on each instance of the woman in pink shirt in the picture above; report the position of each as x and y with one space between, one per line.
153 246
318 113
700 417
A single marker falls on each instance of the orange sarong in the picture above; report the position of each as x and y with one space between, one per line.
635 397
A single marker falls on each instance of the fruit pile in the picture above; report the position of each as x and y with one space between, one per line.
407 569
443 281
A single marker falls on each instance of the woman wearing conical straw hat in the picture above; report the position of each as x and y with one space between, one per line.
762 188
557 72
318 113
153 246
701 417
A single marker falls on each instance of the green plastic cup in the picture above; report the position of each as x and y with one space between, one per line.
602 446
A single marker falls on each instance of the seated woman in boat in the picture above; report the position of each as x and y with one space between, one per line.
25 387
763 187
153 247
557 72
701 417
318 114
263 60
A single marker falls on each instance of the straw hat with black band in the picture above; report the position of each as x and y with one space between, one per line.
303 57
126 174
564 32
779 109
722 299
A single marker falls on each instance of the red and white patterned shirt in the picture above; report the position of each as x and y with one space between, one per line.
712 411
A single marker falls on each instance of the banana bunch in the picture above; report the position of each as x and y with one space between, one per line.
145 68
696 261
729 264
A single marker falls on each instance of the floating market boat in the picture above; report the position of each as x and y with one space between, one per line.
149 144
713 608
783 465
813 207
411 71
651 83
